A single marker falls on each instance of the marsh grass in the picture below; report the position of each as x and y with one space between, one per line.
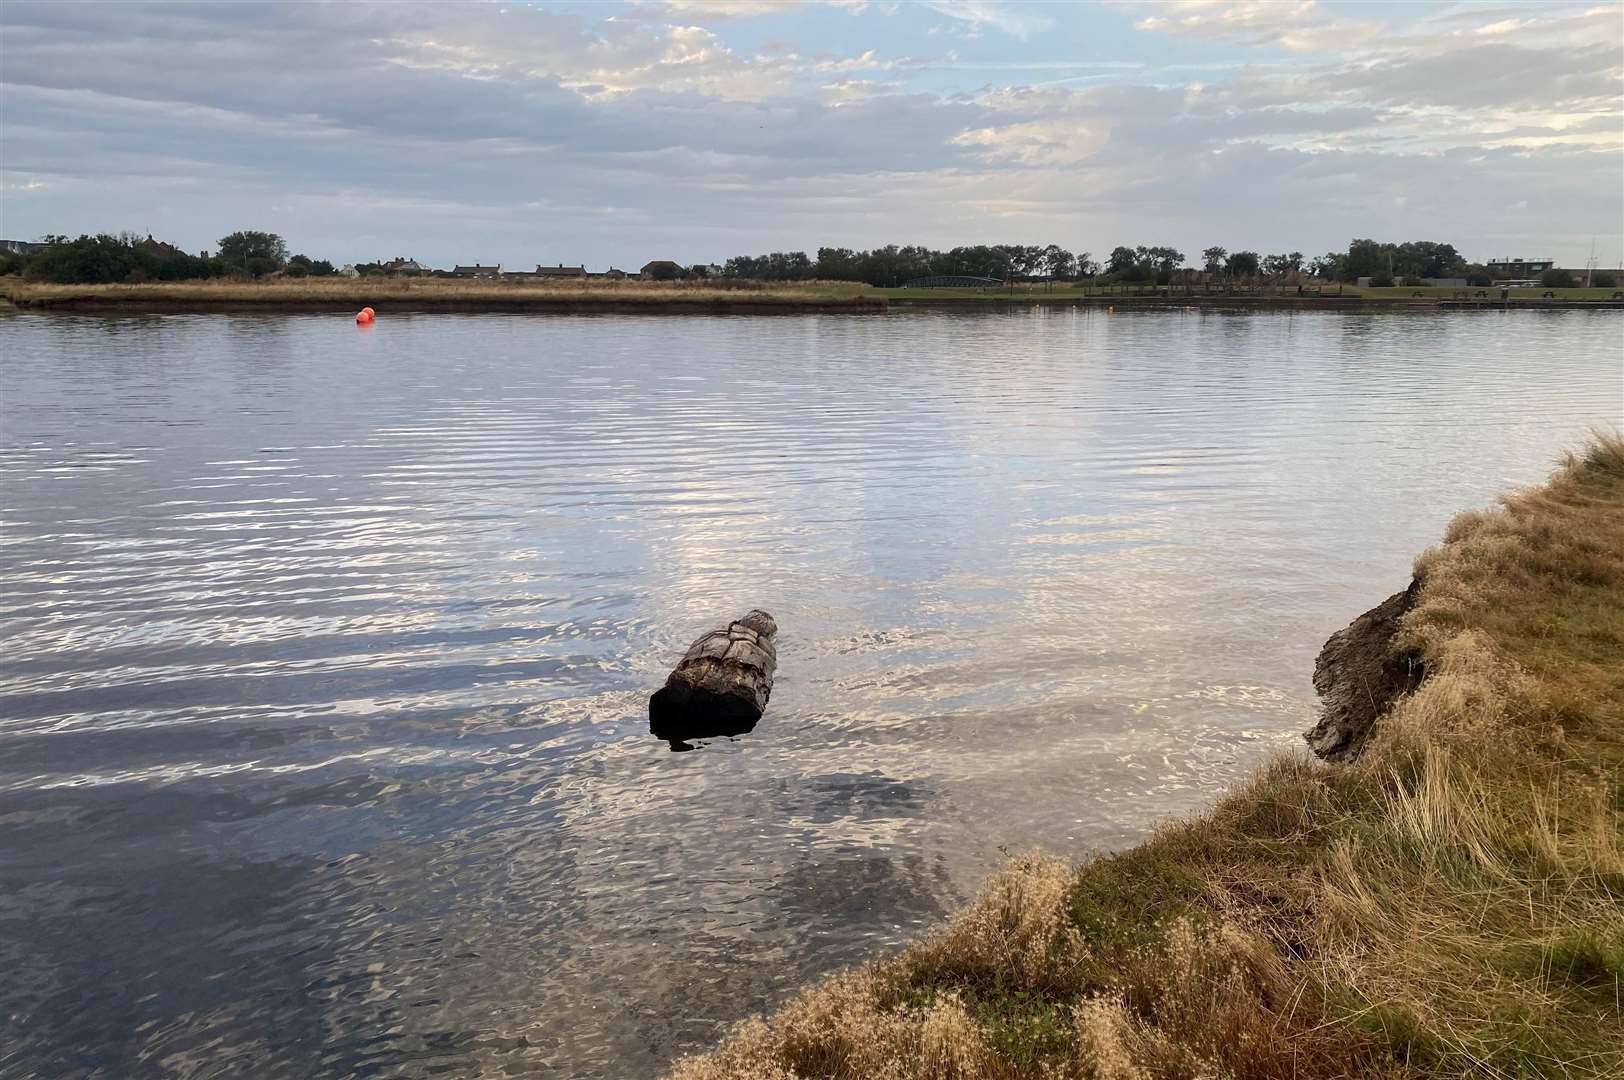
1450 904
409 292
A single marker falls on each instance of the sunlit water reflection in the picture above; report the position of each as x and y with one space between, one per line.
323 748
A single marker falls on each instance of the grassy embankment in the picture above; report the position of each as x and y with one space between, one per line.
442 294
446 294
1451 904
1067 292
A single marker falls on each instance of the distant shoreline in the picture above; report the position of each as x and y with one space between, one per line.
441 296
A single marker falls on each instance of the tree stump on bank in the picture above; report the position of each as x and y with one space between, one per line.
722 684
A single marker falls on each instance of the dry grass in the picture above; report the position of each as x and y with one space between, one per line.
420 293
1452 904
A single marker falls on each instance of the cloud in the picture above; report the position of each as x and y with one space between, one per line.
1017 20
524 134
1295 25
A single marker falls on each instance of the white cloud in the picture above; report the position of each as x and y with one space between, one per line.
1017 20
1296 25
538 132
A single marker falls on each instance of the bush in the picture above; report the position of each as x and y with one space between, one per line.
1603 280
1381 281
1556 279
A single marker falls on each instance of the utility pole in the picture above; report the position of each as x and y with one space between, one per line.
1590 264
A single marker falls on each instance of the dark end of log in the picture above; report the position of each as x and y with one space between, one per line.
721 686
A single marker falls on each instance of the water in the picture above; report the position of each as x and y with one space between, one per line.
323 748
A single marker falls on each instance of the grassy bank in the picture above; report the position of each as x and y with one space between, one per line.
442 294
1346 296
1450 904
680 297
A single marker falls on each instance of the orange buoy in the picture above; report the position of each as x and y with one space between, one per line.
369 311
364 317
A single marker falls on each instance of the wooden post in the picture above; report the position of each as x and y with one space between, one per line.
722 684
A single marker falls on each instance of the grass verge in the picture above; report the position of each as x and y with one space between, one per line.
1450 904
428 294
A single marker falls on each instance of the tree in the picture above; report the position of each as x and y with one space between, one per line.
1327 266
1058 263
1242 264
254 253
1212 259
1601 279
109 258
1164 260
1122 261
1556 278
1278 265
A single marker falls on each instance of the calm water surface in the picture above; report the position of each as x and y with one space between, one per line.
323 745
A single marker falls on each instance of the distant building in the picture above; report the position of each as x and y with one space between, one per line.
21 247
560 271
1518 268
406 267
610 274
158 247
349 270
477 271
661 270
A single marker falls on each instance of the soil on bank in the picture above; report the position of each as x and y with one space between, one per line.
1449 902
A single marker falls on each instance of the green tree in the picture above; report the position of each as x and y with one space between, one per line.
1212 259
1058 263
1243 264
1328 266
1557 278
253 253
1121 261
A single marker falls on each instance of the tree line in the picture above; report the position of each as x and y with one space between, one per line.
893 265
128 257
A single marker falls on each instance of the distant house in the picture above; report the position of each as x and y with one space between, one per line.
477 271
661 270
1518 268
349 270
21 247
610 274
158 247
407 267
560 271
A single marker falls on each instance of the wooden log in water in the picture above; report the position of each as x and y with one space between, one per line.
722 684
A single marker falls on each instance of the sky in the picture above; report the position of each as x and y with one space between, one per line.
614 133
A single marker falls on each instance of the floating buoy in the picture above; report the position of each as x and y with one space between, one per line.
364 316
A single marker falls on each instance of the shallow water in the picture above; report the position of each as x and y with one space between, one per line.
323 744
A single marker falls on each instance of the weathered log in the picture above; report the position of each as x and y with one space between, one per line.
722 684
1359 675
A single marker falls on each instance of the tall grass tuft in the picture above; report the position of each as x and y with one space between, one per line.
1452 903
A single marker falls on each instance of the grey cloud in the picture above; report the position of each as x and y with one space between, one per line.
458 133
